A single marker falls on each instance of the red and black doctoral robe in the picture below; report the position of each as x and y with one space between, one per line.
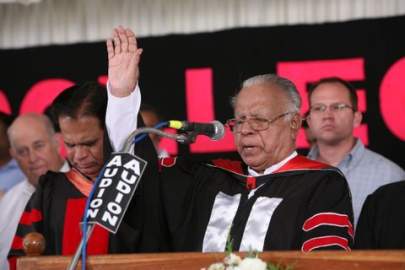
305 205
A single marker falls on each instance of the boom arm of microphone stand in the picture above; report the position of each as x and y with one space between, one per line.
181 138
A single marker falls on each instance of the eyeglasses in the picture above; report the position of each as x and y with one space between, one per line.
335 107
255 123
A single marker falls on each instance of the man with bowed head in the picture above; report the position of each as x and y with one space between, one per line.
56 208
273 200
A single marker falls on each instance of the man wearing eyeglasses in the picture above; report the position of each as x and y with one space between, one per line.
332 117
273 200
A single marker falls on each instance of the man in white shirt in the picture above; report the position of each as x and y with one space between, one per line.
10 172
34 144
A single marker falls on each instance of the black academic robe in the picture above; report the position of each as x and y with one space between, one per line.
305 205
382 220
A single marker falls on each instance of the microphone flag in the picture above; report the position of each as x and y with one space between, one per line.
115 190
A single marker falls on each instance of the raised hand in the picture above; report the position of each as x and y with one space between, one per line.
123 60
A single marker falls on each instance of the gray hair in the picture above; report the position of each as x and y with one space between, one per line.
43 119
284 84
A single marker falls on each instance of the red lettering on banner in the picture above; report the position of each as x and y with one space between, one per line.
102 80
361 131
200 108
167 144
4 104
42 93
304 72
392 98
361 100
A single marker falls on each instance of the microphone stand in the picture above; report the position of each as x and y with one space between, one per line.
127 148
76 257
188 137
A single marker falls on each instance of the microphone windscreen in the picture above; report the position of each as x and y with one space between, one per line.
219 130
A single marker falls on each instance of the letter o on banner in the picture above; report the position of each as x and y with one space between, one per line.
42 93
392 98
4 104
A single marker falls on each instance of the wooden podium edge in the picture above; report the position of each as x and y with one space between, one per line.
339 260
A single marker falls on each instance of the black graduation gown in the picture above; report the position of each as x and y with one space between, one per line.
382 220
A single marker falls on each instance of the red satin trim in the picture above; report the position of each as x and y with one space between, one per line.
250 183
27 218
325 241
17 242
302 163
329 219
12 263
230 165
98 243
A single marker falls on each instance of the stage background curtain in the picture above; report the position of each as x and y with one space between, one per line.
45 22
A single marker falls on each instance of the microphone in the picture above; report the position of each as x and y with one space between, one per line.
214 130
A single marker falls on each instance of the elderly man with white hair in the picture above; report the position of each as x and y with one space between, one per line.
274 200
35 146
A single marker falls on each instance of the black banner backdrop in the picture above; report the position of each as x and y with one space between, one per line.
369 53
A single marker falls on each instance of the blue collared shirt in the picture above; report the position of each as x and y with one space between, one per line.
10 175
365 171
